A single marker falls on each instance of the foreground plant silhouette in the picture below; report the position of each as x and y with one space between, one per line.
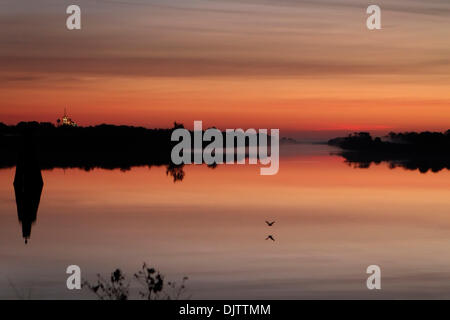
151 281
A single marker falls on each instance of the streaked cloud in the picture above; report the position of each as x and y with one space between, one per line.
266 46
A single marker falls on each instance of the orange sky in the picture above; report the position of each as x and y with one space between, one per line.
294 65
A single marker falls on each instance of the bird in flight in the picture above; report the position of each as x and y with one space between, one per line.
270 223
270 237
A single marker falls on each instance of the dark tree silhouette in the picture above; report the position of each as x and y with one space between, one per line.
151 281
422 151
116 288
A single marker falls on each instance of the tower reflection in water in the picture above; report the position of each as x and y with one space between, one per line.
28 185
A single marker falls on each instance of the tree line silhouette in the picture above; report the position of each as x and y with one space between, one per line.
102 146
421 151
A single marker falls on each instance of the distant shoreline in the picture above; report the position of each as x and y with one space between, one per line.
422 151
102 146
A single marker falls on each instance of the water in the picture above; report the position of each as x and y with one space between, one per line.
332 221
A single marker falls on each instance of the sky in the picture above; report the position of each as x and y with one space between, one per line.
307 67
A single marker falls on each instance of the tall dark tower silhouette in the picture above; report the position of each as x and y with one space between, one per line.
28 186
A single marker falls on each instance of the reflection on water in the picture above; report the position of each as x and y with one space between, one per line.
422 163
331 223
28 188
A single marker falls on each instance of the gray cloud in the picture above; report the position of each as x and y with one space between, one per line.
215 38
197 67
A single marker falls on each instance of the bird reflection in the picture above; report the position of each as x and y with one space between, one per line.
270 237
28 186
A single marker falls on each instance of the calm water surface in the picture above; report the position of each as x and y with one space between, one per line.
332 221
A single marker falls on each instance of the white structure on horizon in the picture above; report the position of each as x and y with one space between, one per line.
66 121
